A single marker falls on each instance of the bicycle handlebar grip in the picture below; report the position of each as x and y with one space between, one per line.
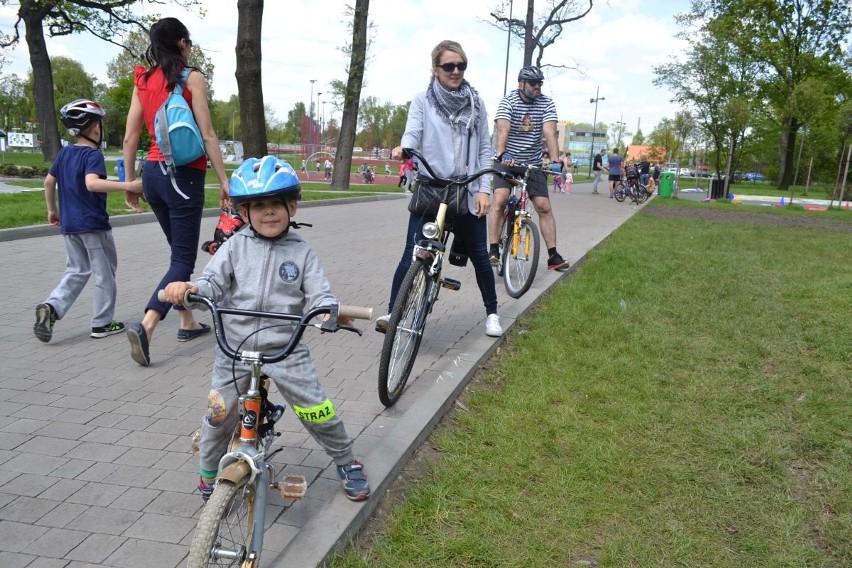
161 295
355 312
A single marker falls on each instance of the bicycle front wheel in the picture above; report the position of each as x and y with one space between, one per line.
405 330
226 527
520 259
641 194
619 192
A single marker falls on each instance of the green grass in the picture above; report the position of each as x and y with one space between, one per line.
28 208
684 399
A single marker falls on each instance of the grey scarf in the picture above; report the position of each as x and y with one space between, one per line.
460 109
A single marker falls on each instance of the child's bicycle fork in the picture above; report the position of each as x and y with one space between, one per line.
248 461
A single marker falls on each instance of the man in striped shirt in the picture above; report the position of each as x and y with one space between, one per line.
525 117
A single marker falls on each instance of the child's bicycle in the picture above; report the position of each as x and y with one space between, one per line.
520 242
230 529
419 291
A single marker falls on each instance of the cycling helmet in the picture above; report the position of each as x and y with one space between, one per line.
79 114
260 178
530 73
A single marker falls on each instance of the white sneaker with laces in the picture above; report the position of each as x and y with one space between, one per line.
492 326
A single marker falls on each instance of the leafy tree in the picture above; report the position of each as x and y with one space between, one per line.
106 19
116 101
292 131
538 31
249 81
352 96
684 127
790 42
16 103
133 54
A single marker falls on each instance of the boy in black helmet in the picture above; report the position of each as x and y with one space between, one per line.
78 175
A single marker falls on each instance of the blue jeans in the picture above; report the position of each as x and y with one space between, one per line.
180 220
474 231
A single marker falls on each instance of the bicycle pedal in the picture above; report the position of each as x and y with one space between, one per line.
450 284
195 444
293 487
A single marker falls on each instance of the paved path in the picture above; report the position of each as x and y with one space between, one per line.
95 468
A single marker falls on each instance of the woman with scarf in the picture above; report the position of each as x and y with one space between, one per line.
448 125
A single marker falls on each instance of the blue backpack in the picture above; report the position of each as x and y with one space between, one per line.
176 131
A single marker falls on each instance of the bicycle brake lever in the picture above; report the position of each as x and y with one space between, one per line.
296 225
351 328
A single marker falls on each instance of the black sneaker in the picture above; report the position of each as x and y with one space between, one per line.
45 318
556 262
494 255
111 328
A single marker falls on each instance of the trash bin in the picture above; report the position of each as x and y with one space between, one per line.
717 189
120 168
666 184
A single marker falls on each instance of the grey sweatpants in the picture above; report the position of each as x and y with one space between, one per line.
297 381
88 254
597 180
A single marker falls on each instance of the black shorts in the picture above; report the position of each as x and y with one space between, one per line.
536 186
614 177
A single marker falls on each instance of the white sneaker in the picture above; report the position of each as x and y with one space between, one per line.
382 323
492 326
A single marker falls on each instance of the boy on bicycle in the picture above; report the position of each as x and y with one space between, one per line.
265 267
79 173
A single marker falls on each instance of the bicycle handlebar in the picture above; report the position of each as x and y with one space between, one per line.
456 180
331 325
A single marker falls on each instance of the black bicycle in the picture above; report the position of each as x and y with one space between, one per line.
419 289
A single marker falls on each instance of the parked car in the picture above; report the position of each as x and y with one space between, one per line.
685 172
754 176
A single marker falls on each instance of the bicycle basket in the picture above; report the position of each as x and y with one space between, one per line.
427 196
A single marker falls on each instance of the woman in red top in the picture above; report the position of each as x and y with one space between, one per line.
178 212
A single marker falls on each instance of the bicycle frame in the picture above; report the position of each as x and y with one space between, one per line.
246 467
519 243
418 292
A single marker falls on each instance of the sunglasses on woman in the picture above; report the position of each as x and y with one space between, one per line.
450 67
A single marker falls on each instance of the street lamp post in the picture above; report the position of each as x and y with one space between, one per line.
319 141
233 126
311 109
620 124
594 126
508 43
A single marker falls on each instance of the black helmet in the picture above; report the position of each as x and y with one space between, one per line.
79 114
530 73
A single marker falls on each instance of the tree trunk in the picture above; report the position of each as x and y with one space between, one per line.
352 97
33 16
248 74
529 33
786 152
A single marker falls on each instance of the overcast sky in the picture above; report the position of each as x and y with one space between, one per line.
614 47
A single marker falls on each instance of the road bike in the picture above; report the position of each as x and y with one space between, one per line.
230 529
520 242
419 289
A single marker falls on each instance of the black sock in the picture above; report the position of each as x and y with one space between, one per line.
551 251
